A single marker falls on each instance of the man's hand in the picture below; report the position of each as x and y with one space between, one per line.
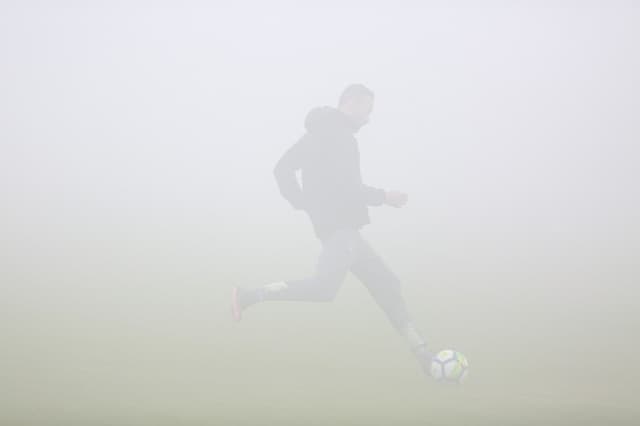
395 198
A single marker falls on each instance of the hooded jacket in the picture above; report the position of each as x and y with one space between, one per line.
332 192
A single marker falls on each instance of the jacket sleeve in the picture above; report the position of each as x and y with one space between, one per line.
373 196
285 174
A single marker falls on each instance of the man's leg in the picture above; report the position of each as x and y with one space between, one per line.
385 287
332 266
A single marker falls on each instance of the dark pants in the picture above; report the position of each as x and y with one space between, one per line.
343 251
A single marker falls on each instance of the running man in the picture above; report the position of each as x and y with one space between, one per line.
336 201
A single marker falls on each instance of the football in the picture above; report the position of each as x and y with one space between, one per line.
449 366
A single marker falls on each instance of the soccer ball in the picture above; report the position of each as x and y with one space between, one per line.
449 366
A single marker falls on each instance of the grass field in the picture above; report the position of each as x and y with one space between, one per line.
133 328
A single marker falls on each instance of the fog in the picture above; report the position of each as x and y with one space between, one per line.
137 148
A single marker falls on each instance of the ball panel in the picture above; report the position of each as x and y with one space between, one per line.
450 366
445 355
453 369
463 376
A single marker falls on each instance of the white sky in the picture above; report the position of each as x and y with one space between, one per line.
496 117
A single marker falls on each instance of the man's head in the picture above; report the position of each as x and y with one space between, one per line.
356 101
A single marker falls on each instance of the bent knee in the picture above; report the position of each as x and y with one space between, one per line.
324 291
324 295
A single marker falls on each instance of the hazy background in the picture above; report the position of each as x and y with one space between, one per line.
136 158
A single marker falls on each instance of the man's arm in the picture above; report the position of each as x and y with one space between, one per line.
373 196
285 174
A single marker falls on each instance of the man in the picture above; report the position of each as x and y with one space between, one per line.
337 201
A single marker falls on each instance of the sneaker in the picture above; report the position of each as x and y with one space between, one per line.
425 358
236 308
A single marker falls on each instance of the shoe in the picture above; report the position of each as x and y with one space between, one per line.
236 308
425 358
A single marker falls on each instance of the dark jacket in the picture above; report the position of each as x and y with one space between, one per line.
332 191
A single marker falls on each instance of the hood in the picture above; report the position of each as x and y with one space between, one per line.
328 120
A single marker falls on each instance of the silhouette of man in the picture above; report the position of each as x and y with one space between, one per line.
336 201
